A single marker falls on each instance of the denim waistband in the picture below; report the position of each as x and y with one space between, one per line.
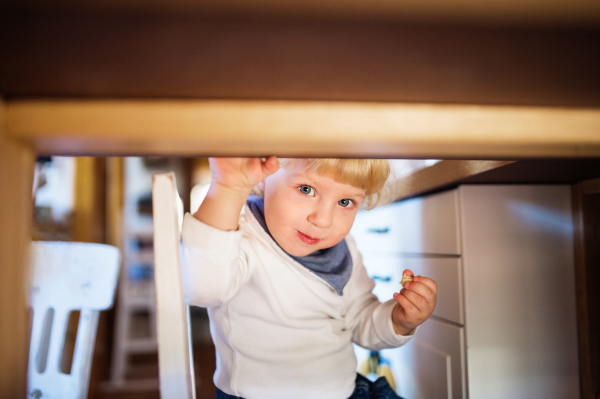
365 389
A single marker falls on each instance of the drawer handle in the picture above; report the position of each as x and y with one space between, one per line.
384 230
385 279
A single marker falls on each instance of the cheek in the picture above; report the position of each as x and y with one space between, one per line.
343 225
279 213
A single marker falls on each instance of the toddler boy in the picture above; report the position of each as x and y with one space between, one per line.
284 284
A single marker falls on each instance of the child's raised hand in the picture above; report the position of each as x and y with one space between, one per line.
233 179
415 303
241 173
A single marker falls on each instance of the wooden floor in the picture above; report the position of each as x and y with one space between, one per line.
204 367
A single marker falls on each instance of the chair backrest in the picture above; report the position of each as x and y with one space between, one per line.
175 360
67 277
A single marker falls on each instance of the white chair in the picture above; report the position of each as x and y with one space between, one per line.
67 277
176 368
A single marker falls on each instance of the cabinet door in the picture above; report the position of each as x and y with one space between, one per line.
520 297
432 365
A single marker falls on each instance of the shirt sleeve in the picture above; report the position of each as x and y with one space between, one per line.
369 319
213 267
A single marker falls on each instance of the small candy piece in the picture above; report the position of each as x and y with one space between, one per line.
405 279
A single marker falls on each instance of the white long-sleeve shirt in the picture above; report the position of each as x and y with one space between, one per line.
280 330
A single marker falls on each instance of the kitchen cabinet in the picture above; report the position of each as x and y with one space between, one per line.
502 255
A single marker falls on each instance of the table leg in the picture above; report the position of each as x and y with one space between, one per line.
16 179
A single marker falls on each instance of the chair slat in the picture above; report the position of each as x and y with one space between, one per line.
174 346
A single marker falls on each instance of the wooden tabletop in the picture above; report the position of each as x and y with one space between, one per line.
302 128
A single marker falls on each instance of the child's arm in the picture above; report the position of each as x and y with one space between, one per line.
232 181
213 265
415 303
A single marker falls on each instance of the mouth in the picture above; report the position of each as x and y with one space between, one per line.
308 239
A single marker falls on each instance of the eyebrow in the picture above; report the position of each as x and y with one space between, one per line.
359 194
304 179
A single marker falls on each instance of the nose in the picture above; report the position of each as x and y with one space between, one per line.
321 216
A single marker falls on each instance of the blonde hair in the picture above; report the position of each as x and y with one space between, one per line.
367 174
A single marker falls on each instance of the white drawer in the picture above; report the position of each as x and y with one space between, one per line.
447 273
432 365
386 271
427 225
377 230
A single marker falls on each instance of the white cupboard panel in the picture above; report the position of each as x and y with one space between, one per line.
518 267
426 225
429 225
447 273
432 365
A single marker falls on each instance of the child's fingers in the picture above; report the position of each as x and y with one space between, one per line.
270 165
428 282
408 272
418 301
242 173
422 290
405 303
407 312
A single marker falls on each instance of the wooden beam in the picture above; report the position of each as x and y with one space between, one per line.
16 179
89 211
115 198
447 174
336 129
591 186
441 175
586 212
586 377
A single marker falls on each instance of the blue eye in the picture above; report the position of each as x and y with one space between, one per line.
345 202
307 190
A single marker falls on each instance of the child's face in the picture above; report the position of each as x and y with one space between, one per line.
306 212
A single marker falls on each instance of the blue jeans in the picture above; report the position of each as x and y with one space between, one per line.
365 389
380 389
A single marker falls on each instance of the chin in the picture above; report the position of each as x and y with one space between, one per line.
299 251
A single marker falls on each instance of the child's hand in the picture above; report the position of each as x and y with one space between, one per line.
233 179
416 302
241 173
